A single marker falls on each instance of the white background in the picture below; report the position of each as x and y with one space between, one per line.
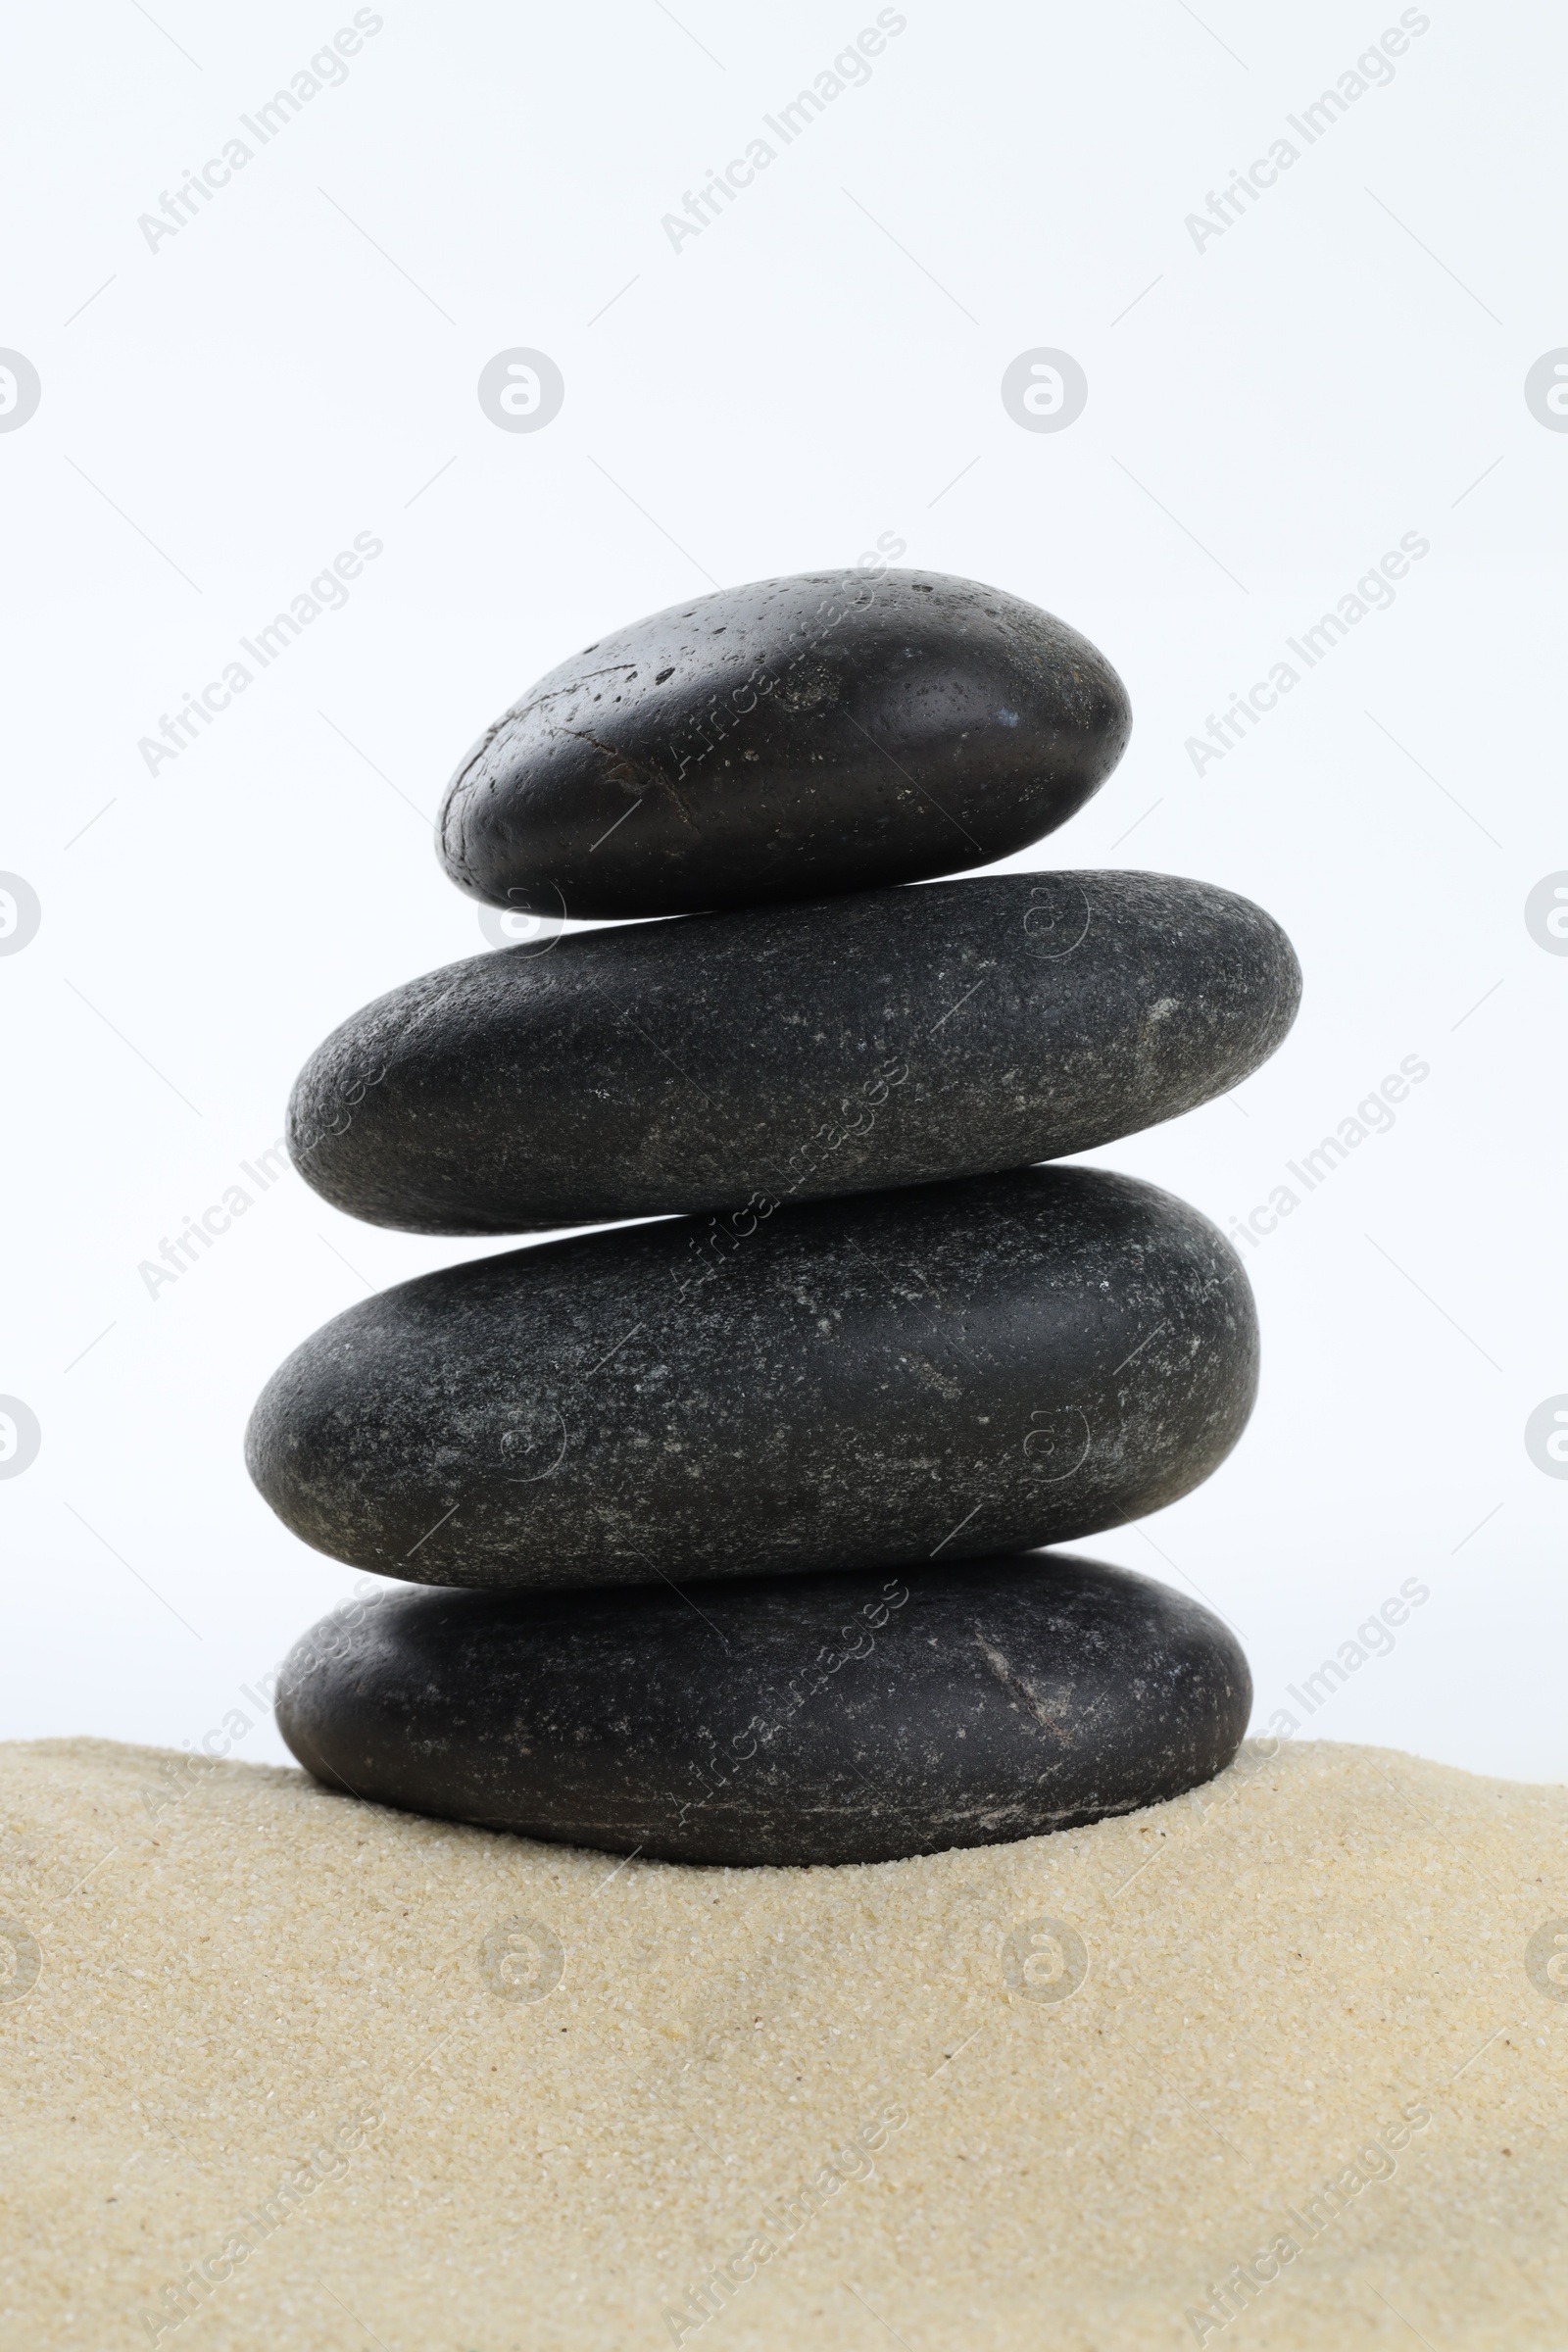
1266 416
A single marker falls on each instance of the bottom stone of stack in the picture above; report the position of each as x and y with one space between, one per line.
845 1717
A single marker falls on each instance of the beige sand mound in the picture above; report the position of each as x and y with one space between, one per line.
283 2070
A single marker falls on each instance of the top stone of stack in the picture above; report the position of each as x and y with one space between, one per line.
790 739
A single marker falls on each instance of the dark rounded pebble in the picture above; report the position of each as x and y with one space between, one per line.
824 1718
884 1038
955 1369
828 732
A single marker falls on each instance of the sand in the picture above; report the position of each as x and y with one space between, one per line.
278 2072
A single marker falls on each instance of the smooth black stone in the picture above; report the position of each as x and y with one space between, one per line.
833 731
879 1039
955 1369
825 1718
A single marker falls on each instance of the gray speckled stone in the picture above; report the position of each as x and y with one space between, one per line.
793 737
954 1369
823 1718
877 1038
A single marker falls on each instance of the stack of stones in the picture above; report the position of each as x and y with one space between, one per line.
718 1532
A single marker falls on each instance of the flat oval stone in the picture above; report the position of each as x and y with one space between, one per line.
878 1039
828 732
953 1370
819 1718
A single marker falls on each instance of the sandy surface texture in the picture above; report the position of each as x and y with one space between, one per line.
1281 2063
